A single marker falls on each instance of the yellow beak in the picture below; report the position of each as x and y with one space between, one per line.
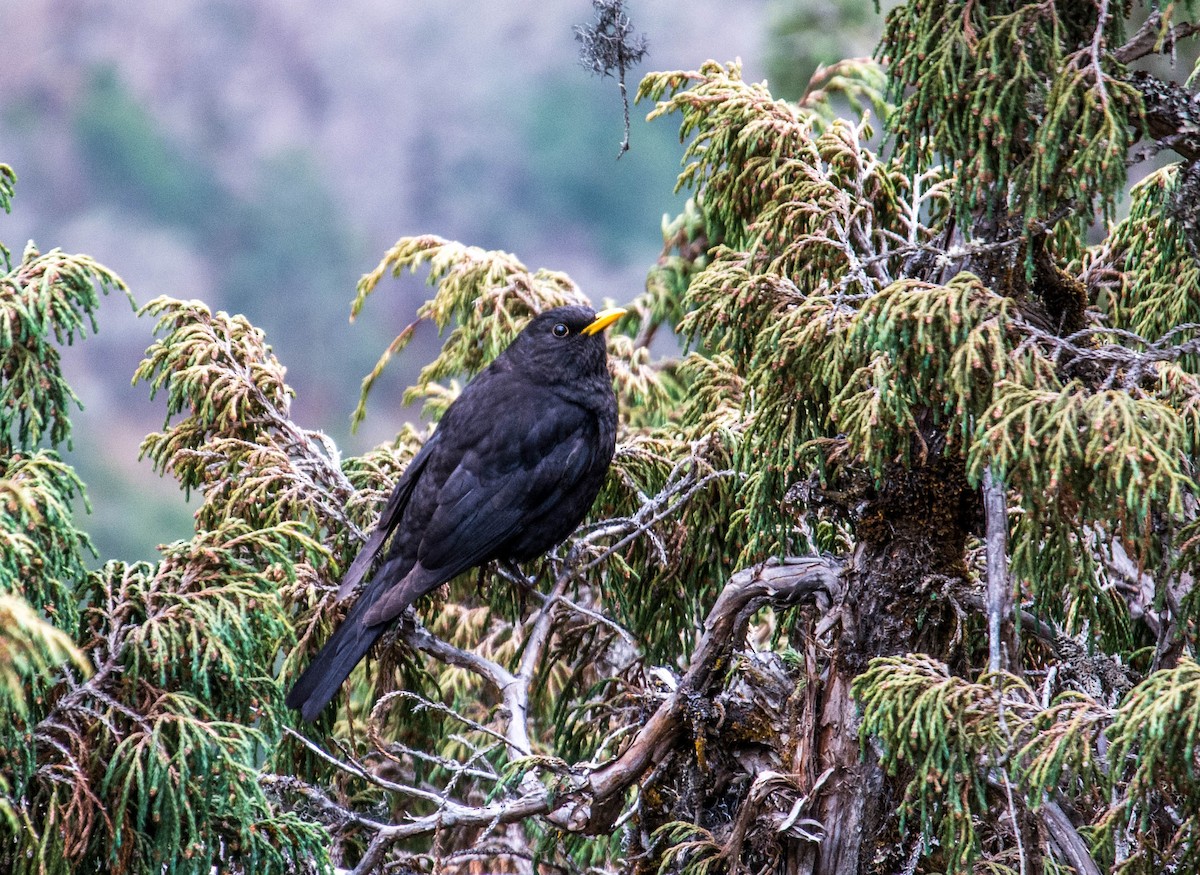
604 319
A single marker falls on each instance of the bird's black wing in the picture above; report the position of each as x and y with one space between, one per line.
507 479
388 519
493 503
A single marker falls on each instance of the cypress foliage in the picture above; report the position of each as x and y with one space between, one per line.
894 570
139 698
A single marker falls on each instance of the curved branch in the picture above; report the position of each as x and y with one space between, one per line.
1151 38
586 802
789 582
1172 115
1066 838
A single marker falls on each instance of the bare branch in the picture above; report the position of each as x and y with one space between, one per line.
1041 630
516 577
779 583
1067 839
683 483
1095 52
610 47
999 593
417 636
1172 115
1151 38
1117 358
334 811
776 583
358 771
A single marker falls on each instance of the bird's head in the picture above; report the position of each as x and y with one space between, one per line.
565 343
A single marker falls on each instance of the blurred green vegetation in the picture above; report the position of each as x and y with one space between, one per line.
282 253
804 35
291 268
134 518
132 163
573 176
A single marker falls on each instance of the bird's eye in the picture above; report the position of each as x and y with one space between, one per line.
561 330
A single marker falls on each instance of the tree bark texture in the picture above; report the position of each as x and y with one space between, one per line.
911 540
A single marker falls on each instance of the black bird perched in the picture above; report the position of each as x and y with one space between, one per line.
511 470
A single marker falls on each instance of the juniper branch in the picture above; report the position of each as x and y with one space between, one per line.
1151 38
1118 358
1172 115
313 454
776 583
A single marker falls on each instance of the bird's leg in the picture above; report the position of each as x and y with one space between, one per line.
516 575
525 585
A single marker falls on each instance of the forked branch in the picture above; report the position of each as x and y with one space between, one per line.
583 800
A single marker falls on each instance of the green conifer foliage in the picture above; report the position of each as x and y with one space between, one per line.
902 316
1158 287
1024 96
894 570
139 698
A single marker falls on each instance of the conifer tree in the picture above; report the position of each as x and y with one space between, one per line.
893 572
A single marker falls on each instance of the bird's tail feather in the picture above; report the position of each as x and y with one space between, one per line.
331 666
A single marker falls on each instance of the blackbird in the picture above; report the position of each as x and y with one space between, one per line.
510 471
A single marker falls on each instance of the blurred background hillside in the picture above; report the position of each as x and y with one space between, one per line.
262 156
